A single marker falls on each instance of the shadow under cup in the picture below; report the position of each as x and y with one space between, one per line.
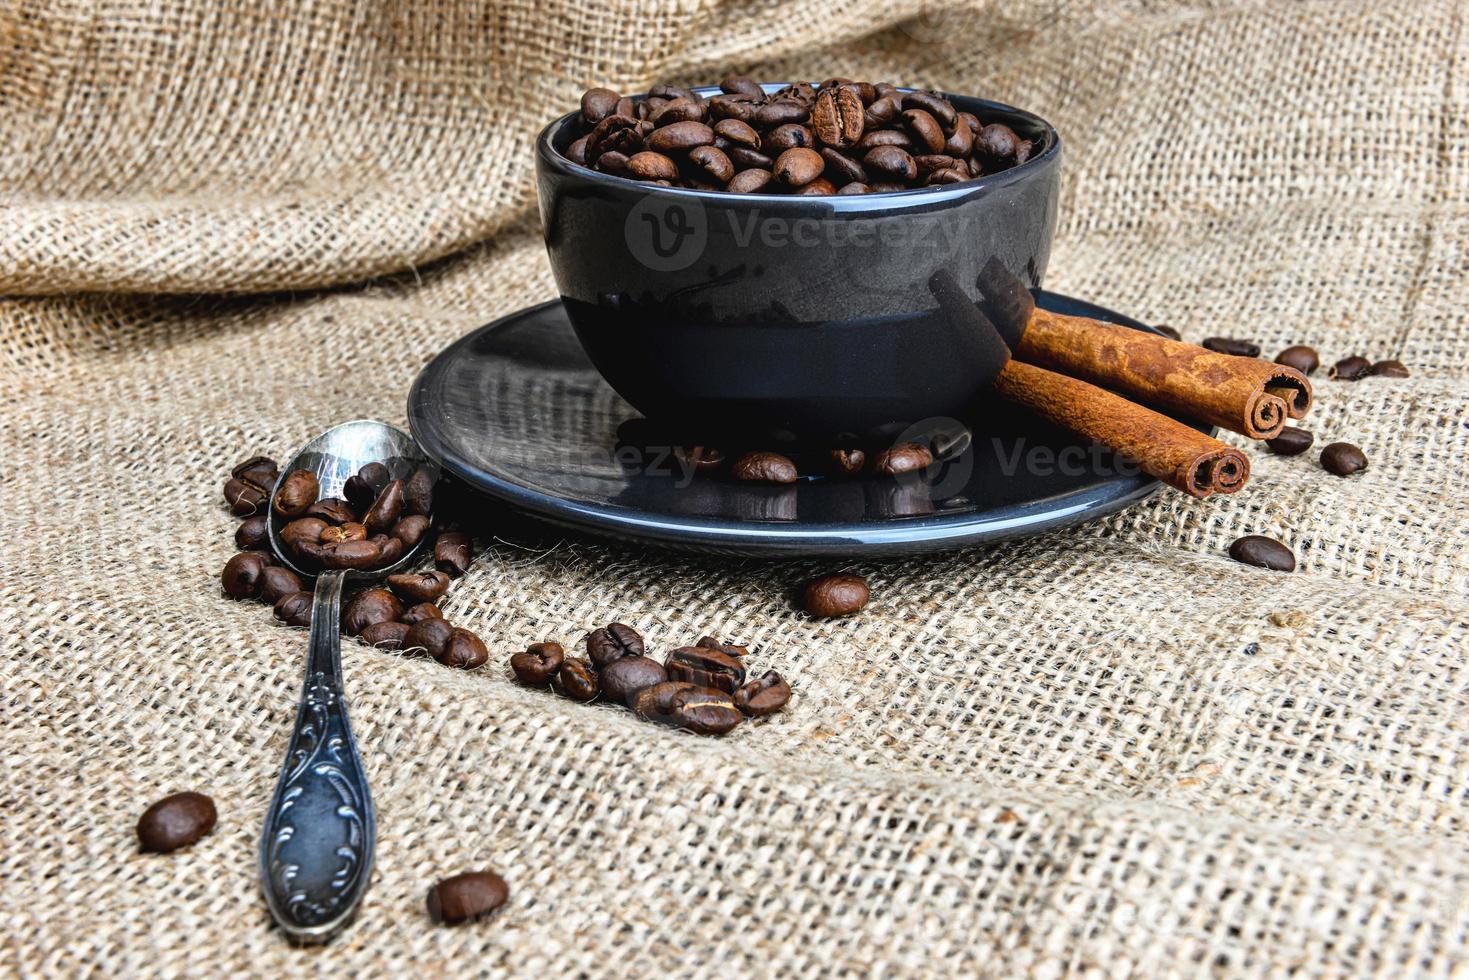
807 317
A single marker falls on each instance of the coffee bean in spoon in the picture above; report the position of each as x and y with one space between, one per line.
297 492
410 530
333 510
833 596
466 897
418 493
1304 359
1343 459
1291 442
362 488
175 821
612 642
1231 345
538 663
386 509
1263 552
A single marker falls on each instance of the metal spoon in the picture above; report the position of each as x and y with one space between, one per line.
316 848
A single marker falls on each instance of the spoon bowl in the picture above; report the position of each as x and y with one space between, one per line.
316 847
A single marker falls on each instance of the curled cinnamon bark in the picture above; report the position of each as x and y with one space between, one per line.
1243 394
1181 457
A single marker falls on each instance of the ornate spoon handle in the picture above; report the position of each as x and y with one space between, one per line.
316 849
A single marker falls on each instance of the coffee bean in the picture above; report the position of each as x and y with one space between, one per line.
787 137
705 712
835 595
613 642
597 104
818 186
838 117
625 676
706 668
742 85
798 167
1304 359
243 574
960 143
243 499
538 663
842 168
1343 459
763 467
680 110
656 703
847 462
1291 442
260 472
294 609
1350 369
712 162
890 161
856 187
1231 345
419 586
732 649
386 510
649 165
905 457
940 108
385 636
1389 369
1167 331
703 459
253 533
765 695
351 531
420 611
680 136
466 897
996 145
739 108
1263 552
276 582
577 679
749 181
357 554
738 133
430 637
362 488
297 492
392 550
464 651
778 112
175 821
418 492
410 530
744 159
924 129
303 531
375 605
452 553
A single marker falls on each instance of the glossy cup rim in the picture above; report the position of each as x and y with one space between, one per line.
549 156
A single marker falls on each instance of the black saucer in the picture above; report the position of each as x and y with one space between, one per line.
516 410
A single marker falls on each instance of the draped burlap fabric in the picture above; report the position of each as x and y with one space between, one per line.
227 225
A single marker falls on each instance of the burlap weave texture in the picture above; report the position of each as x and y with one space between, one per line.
225 226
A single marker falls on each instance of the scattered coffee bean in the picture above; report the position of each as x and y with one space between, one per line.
243 499
419 586
1343 459
1291 442
260 472
655 703
706 667
704 711
430 637
296 493
294 609
253 534
243 573
1231 345
466 897
733 649
612 642
763 467
538 663
277 582
625 676
577 679
1350 369
410 530
1263 552
905 457
175 821
1389 369
370 606
765 695
1304 359
452 553
836 595
385 636
418 612
464 651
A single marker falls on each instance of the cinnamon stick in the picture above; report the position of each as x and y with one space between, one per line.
1243 394
1180 456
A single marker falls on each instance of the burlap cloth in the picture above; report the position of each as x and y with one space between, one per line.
1107 750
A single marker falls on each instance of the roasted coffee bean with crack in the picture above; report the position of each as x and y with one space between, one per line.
625 676
351 531
764 695
764 467
430 637
296 493
333 510
175 821
243 498
577 679
258 471
705 711
706 667
905 457
452 553
613 642
847 462
832 596
303 531
426 586
1343 459
655 703
375 605
837 117
538 663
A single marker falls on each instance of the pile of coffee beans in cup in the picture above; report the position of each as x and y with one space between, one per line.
838 137
704 688
376 521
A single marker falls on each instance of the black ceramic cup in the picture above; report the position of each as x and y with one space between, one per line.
804 317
